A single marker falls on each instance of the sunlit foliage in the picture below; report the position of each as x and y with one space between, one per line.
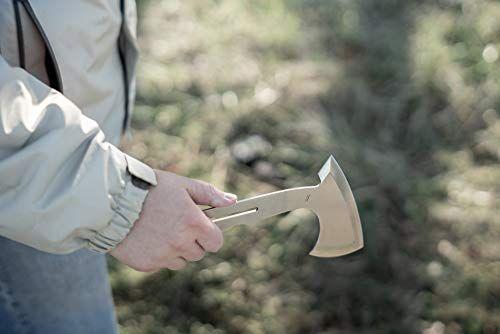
254 95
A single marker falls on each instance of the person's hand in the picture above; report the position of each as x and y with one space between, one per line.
171 228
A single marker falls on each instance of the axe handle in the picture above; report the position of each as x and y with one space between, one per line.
255 209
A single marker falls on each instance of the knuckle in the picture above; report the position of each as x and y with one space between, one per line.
212 191
178 245
177 265
198 224
215 243
144 267
192 222
198 187
193 253
191 218
197 255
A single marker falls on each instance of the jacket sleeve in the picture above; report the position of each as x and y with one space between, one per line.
62 186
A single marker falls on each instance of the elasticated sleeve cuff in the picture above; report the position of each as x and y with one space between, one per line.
126 204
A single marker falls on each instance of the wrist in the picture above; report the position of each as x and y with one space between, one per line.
136 179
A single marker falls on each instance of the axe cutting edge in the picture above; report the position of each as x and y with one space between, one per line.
332 201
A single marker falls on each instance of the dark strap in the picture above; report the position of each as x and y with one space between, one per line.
20 34
52 73
121 53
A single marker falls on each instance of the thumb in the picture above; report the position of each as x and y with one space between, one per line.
204 193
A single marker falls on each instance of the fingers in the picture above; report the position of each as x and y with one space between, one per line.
206 194
172 229
211 241
208 235
194 253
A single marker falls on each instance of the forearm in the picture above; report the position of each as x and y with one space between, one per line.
62 186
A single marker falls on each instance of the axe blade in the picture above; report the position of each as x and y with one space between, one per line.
340 230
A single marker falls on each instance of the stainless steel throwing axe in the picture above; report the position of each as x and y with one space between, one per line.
332 201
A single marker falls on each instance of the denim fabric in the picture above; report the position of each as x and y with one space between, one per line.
47 293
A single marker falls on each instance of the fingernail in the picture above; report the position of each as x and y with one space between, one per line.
229 197
224 199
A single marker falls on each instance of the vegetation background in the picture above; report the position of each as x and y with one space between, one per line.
254 95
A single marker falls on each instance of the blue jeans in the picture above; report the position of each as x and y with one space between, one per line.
47 293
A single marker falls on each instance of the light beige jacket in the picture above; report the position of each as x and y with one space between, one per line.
66 89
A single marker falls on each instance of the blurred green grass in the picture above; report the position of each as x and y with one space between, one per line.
253 96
